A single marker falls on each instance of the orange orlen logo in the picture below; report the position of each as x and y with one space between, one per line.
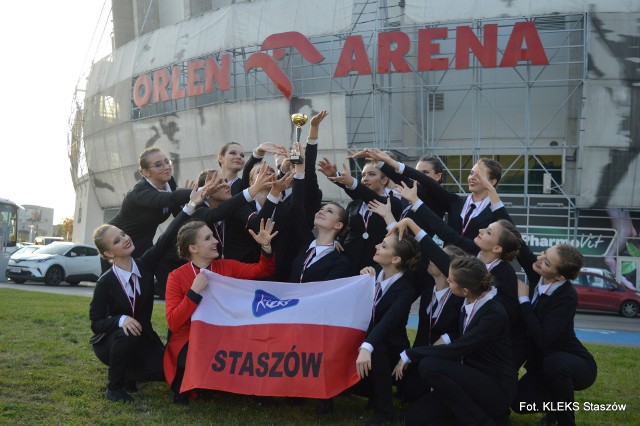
203 74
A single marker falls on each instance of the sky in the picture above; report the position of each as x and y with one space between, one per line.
46 46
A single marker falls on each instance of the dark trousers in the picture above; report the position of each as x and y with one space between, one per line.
560 375
378 385
181 364
413 386
461 394
137 358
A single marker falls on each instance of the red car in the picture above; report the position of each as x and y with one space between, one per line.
601 293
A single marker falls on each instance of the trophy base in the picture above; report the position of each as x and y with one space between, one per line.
295 159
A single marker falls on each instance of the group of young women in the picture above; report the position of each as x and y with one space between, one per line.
477 323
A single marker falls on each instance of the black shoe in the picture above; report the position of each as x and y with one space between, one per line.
118 395
181 398
325 406
130 385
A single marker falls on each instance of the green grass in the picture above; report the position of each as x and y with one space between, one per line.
49 375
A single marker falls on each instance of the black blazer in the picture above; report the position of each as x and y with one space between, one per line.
330 266
242 182
389 326
428 220
239 244
549 323
110 302
484 345
358 250
144 208
446 323
398 178
452 204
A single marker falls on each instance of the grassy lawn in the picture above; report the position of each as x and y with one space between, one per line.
49 375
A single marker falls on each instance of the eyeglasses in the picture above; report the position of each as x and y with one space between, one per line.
160 165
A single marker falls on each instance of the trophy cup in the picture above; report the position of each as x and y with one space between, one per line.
299 120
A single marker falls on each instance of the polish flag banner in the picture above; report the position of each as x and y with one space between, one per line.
278 339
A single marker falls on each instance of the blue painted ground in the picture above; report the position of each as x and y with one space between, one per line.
605 337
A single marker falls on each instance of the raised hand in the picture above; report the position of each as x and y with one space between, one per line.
402 226
345 178
265 235
281 184
212 184
382 209
317 119
409 193
327 167
271 148
263 180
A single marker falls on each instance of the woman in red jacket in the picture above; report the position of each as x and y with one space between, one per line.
197 245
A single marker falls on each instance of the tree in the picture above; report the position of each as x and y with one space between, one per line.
67 228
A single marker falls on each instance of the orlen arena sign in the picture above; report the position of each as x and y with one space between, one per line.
204 75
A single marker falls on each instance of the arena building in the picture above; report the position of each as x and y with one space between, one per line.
549 89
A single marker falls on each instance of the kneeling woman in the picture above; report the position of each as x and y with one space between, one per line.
558 364
473 377
120 311
387 334
197 245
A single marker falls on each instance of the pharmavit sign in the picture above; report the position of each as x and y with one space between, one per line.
206 74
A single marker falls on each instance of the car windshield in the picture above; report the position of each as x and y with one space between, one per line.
25 250
54 248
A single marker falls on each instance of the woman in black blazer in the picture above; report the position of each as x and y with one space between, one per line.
366 229
122 304
317 258
558 364
473 377
387 335
438 317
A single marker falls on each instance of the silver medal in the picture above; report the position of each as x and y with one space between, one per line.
365 235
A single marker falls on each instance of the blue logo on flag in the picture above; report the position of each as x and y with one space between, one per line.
265 303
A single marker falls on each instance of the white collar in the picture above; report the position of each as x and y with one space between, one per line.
385 284
473 307
167 188
125 275
546 289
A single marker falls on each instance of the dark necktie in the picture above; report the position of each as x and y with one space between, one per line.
467 217
376 298
132 283
434 306
464 320
311 253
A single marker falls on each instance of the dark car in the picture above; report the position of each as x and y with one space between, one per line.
601 293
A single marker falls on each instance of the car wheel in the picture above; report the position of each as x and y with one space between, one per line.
54 275
629 309
18 281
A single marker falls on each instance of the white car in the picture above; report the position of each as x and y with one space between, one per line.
54 263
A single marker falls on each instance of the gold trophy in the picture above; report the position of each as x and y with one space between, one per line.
299 120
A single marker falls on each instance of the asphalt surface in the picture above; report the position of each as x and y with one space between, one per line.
601 328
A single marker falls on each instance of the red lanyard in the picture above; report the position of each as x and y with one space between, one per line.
466 323
131 302
195 274
440 307
310 256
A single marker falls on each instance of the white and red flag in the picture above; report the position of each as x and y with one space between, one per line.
278 339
